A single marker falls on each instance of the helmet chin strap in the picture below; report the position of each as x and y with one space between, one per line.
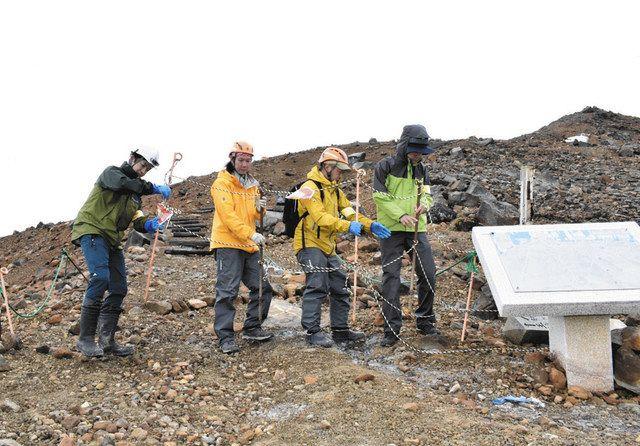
327 172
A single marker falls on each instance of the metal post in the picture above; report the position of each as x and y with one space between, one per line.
355 271
415 239
262 210
526 194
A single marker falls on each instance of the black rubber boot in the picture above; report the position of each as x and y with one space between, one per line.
342 336
229 346
429 329
88 325
108 324
319 339
389 340
256 334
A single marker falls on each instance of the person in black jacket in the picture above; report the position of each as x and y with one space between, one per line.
113 204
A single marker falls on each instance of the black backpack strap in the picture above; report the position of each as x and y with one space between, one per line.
304 244
320 188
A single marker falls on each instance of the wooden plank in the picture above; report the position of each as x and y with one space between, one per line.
188 251
199 243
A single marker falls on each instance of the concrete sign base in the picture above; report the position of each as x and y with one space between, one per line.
582 345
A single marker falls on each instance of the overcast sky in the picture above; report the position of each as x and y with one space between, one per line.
83 82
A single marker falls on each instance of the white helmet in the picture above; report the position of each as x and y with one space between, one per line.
150 155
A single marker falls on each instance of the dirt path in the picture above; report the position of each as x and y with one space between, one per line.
179 388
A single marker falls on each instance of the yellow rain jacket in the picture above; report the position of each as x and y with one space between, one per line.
320 227
234 219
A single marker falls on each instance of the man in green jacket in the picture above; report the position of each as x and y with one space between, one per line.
396 184
113 204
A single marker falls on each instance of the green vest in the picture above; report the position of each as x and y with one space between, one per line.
112 206
401 199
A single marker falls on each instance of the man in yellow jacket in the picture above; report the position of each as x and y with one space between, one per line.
234 239
315 246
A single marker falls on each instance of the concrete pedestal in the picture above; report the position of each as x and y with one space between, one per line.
582 345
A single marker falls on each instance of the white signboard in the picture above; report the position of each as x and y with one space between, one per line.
560 270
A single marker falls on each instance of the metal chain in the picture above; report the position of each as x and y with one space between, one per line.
270 191
390 195
452 351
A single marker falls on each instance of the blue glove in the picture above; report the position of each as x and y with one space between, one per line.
380 230
355 228
162 189
152 225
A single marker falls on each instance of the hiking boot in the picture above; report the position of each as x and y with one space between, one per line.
108 323
389 340
341 336
88 326
319 339
429 330
4 365
229 346
257 334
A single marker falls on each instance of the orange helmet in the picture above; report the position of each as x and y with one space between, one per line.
241 147
336 155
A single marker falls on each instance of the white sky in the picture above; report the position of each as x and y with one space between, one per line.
82 82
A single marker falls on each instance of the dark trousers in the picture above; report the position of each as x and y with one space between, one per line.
234 266
391 249
319 285
107 272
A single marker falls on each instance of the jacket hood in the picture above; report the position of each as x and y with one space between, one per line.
127 169
409 131
248 184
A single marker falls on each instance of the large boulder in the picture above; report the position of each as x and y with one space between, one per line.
526 330
366 165
626 369
136 238
497 213
440 211
357 157
633 320
270 219
484 306
159 307
491 212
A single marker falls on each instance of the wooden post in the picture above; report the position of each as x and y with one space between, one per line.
415 240
153 254
468 308
526 194
355 271
4 271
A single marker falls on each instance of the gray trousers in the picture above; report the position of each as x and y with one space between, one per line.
321 284
391 249
233 266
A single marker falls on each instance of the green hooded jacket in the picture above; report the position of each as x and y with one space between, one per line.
113 204
395 185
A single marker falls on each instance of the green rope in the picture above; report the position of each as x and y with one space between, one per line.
471 263
34 313
469 258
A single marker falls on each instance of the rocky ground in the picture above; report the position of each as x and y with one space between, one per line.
179 389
